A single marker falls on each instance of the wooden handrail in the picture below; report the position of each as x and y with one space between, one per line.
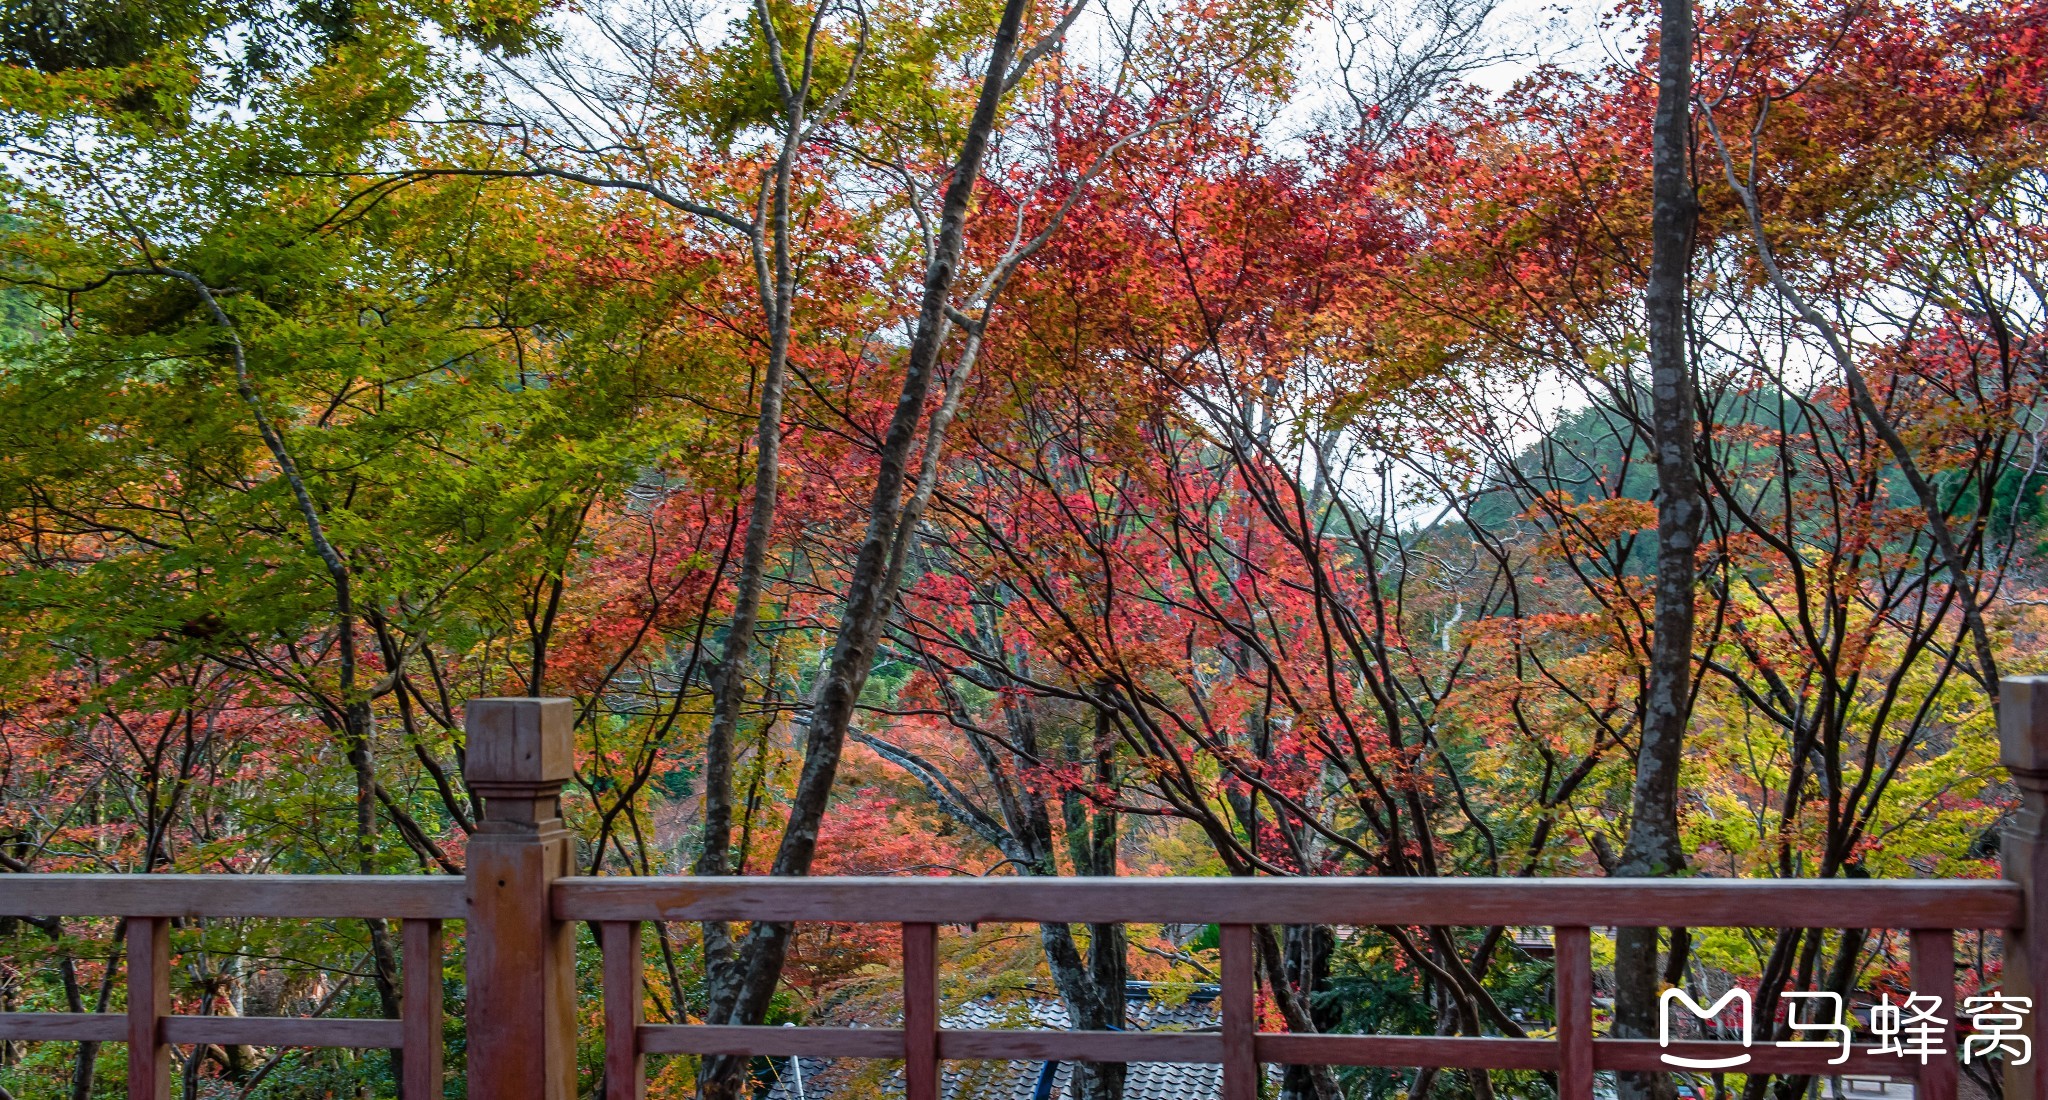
1604 903
304 897
1931 910
1753 903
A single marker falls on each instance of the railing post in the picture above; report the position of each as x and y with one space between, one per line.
149 1001
521 961
2023 741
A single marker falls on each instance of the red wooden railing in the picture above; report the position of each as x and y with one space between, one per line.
520 905
149 903
1931 910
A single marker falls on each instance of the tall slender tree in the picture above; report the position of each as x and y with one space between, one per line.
1654 846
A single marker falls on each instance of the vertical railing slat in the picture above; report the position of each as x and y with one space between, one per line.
1934 974
420 1008
625 1068
1240 1018
1574 995
920 1012
149 1001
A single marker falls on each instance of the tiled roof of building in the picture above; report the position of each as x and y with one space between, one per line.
825 1079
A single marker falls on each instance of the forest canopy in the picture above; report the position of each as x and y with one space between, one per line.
929 437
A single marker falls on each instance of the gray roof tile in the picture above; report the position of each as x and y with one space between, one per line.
824 1079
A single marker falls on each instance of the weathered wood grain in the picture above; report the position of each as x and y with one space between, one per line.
625 1068
420 1011
149 1001
920 1012
1240 1019
772 1042
303 896
521 963
63 1027
1574 996
261 1031
283 1031
1729 903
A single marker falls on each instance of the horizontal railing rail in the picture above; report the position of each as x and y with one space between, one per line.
147 905
1604 903
303 897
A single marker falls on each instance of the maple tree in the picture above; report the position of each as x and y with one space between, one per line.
995 439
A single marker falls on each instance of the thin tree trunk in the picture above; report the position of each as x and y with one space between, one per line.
85 1067
1309 949
728 680
1092 844
744 994
1314 1082
358 719
1653 846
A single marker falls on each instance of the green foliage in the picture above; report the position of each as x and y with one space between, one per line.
907 98
1375 990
